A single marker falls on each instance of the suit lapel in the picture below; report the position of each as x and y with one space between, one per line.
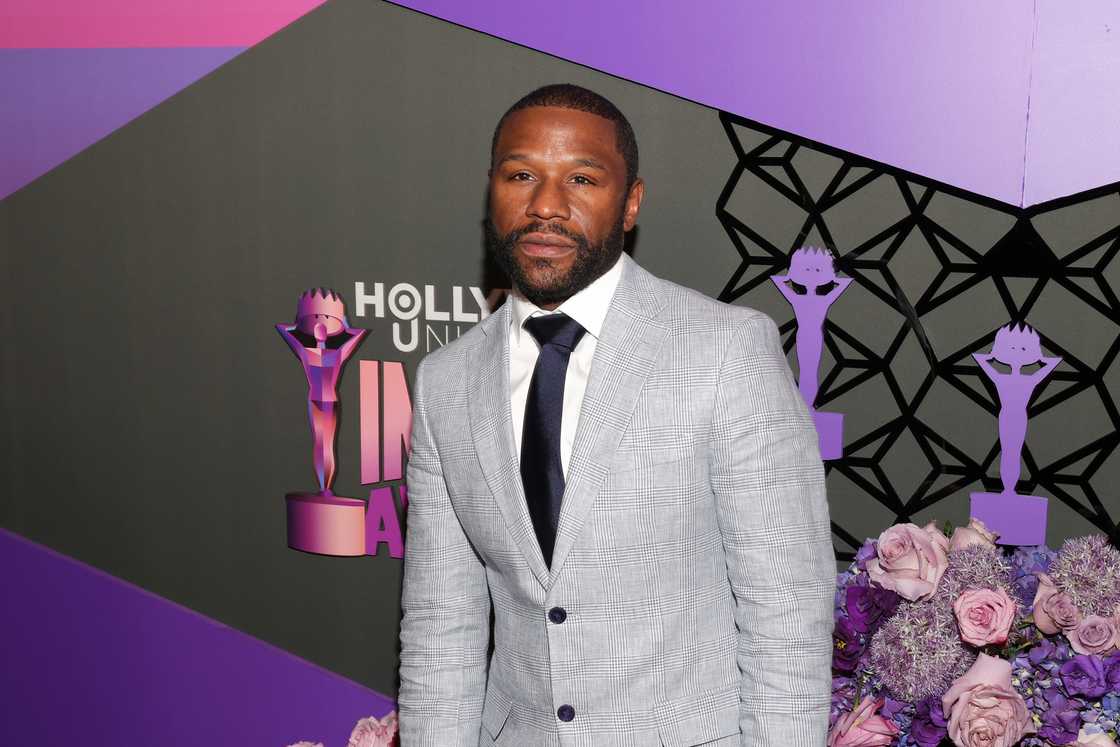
625 354
488 392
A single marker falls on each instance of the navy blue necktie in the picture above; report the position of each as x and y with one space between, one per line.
542 473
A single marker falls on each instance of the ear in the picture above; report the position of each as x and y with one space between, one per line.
633 204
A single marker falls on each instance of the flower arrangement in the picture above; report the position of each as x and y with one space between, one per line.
943 637
369 732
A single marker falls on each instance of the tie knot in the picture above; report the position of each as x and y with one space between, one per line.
555 329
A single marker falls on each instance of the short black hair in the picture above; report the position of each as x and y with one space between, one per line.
570 96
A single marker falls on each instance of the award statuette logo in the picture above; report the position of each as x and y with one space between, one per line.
1019 519
322 340
811 287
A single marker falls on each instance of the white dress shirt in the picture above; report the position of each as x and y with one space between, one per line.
589 308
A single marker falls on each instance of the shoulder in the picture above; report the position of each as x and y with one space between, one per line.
448 364
689 312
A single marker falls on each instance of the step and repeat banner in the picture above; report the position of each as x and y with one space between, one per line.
171 419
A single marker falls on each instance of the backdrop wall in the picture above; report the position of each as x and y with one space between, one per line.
154 420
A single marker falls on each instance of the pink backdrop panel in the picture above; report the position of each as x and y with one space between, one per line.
145 23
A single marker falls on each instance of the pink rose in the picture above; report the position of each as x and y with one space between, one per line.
1100 739
976 533
1053 610
1046 589
862 727
982 708
910 560
984 615
1094 635
372 732
1062 611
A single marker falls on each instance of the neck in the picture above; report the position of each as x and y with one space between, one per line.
551 306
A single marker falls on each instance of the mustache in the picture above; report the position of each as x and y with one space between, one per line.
538 227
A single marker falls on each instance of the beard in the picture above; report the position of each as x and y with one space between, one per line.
589 263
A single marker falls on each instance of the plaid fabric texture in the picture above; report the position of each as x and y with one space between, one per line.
693 558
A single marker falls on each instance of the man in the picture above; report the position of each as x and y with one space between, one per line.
623 472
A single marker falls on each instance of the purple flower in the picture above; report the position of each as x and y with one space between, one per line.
1084 675
843 698
1049 654
918 652
1026 563
838 598
1042 653
845 580
1087 569
929 726
892 708
868 605
1032 559
846 646
1025 588
866 553
1112 673
1062 720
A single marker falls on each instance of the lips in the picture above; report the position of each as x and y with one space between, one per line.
545 245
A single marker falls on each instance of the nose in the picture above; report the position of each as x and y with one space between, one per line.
548 201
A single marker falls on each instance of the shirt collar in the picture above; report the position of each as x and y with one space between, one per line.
588 307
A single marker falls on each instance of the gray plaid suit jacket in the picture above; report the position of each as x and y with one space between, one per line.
693 556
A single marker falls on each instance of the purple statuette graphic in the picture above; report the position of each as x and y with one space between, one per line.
322 340
1019 519
811 287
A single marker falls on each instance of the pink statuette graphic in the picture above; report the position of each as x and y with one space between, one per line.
811 287
1019 519
322 339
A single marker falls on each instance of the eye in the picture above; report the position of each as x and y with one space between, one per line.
581 179
521 176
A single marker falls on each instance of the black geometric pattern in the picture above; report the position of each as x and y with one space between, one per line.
938 270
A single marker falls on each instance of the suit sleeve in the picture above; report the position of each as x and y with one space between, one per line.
768 481
445 602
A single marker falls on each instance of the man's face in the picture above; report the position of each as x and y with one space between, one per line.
558 201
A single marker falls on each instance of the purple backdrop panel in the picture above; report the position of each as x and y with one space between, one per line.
935 88
1073 140
57 102
91 659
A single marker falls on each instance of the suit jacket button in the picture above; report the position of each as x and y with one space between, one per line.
557 615
565 713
